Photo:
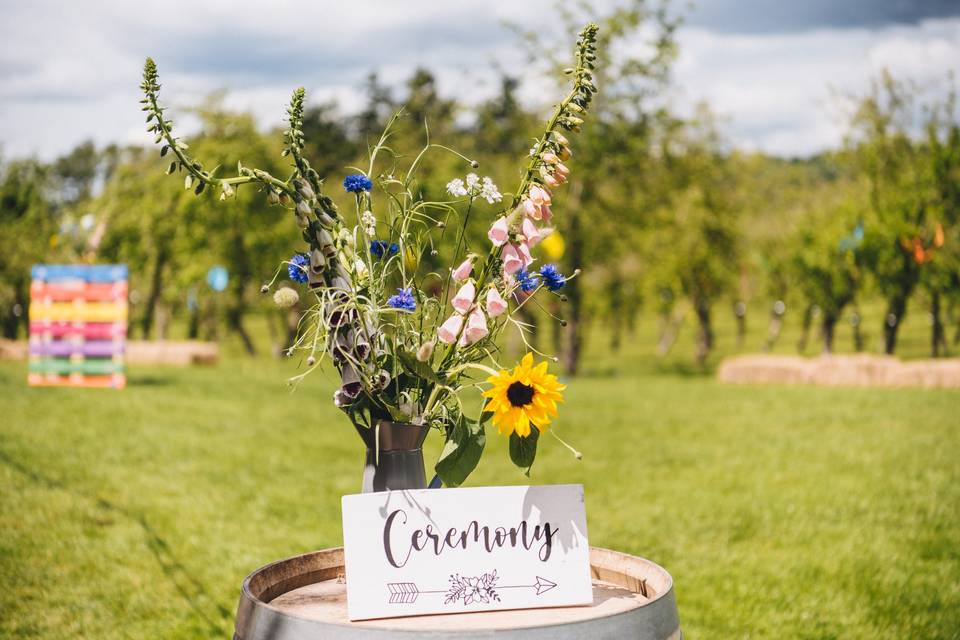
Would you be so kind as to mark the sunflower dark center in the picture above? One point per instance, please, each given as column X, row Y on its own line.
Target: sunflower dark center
column 520, row 394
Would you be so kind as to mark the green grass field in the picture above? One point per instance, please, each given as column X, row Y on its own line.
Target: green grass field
column 781, row 512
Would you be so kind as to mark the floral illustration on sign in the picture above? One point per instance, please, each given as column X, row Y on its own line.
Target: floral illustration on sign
column 470, row 590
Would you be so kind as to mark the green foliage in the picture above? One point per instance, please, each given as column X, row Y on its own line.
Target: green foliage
column 28, row 223
column 524, row 450
column 143, row 523
column 461, row 452
column 911, row 189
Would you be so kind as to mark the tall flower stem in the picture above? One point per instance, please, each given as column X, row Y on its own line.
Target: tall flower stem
column 582, row 85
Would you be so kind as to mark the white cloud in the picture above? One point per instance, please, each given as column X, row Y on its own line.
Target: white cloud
column 70, row 70
column 779, row 92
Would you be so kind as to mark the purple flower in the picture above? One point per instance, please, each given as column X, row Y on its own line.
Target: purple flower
column 380, row 247
column 528, row 281
column 297, row 269
column 403, row 300
column 357, row 182
column 552, row 278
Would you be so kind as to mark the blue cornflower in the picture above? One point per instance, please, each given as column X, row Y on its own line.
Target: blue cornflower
column 552, row 278
column 403, row 300
column 380, row 247
column 298, row 266
column 528, row 281
column 357, row 182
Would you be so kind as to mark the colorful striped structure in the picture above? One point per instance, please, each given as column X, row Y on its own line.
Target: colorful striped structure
column 78, row 325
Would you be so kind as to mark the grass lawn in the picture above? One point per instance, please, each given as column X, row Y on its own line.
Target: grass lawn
column 781, row 512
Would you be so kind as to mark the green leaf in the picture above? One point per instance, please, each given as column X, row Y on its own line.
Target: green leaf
column 524, row 450
column 462, row 452
column 417, row 368
column 396, row 414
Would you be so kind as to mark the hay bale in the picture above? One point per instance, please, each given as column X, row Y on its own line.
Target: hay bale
column 857, row 370
column 13, row 350
column 172, row 352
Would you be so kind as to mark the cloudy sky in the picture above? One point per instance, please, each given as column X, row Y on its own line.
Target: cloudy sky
column 69, row 70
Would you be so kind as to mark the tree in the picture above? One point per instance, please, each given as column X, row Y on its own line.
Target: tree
column 939, row 244
column 826, row 265
column 883, row 149
column 172, row 239
column 608, row 195
column 694, row 243
column 29, row 226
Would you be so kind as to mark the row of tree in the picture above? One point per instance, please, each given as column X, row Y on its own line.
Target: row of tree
column 661, row 213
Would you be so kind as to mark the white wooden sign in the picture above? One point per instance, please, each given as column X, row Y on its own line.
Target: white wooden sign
column 455, row 550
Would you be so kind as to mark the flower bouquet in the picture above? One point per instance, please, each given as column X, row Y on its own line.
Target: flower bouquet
column 405, row 339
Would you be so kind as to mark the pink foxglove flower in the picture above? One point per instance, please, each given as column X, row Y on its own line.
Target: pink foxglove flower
column 495, row 303
column 546, row 214
column 531, row 209
column 531, row 233
column 550, row 158
column 562, row 169
column 550, row 180
column 523, row 250
column 539, row 195
column 462, row 272
column 512, row 262
column 450, row 329
column 499, row 232
column 476, row 328
column 464, row 298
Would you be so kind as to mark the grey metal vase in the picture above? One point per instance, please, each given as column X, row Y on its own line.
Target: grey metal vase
column 396, row 462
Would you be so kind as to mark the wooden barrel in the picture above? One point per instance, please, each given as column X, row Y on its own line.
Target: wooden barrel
column 305, row 598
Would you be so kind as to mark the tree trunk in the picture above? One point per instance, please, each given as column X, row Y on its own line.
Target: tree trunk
column 805, row 329
column 193, row 323
column 829, row 328
column 633, row 311
column 705, row 332
column 11, row 319
column 156, row 288
column 775, row 326
column 740, row 313
column 953, row 318
column 238, row 303
column 575, row 252
column 857, row 333
column 938, row 338
column 616, row 302
column 896, row 309
column 670, row 324
column 235, row 322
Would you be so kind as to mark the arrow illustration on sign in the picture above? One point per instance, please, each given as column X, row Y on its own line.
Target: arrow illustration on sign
column 469, row 589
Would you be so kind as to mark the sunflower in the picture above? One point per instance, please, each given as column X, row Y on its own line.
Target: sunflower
column 527, row 395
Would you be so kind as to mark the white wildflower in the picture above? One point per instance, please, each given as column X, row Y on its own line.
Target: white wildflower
column 456, row 188
column 360, row 269
column 489, row 191
column 475, row 187
column 285, row 297
column 369, row 222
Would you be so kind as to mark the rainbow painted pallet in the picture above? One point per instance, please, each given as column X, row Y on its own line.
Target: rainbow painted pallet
column 78, row 325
